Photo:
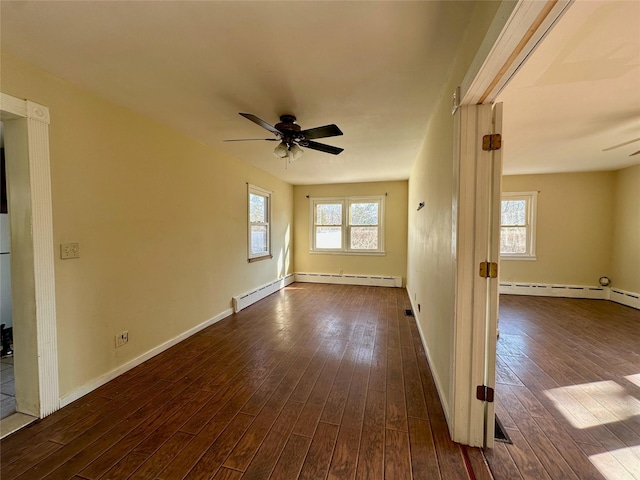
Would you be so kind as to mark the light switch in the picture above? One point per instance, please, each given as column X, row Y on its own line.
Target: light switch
column 69, row 250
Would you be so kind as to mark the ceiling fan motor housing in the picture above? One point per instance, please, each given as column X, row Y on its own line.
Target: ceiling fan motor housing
column 289, row 128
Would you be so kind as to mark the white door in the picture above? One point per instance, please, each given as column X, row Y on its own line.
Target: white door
column 477, row 233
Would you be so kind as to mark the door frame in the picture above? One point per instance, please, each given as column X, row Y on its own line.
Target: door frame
column 513, row 35
column 26, row 130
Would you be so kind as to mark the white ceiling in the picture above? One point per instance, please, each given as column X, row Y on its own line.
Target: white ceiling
column 579, row 93
column 376, row 69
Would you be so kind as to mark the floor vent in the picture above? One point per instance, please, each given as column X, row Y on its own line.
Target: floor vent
column 500, row 433
column 408, row 313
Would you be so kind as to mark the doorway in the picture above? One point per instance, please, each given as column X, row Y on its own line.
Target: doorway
column 25, row 126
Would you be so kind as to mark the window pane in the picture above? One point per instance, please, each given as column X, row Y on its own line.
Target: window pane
column 328, row 237
column 257, row 208
column 364, row 213
column 364, row 238
column 329, row 214
column 513, row 240
column 514, row 212
column 258, row 239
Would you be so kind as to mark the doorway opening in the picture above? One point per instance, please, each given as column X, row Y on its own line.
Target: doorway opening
column 35, row 362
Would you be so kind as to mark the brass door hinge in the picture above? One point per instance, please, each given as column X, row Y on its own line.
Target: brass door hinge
column 492, row 142
column 484, row 393
column 489, row 270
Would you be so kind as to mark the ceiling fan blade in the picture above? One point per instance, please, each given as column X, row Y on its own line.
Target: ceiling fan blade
column 322, row 132
column 250, row 139
column 322, row 147
column 262, row 123
column 622, row 145
column 635, row 153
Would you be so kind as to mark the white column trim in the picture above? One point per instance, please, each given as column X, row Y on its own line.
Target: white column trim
column 44, row 324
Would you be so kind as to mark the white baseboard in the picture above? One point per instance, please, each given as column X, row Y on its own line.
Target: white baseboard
column 345, row 279
column 249, row 298
column 617, row 295
column 629, row 299
column 89, row 387
column 434, row 373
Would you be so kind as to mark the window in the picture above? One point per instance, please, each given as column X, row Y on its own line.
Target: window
column 347, row 225
column 518, row 225
column 259, row 224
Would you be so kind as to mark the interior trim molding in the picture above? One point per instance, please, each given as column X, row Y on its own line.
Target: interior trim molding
column 514, row 35
column 38, row 365
column 98, row 382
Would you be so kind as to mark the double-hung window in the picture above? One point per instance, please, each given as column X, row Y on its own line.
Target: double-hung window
column 259, row 224
column 518, row 226
column 347, row 225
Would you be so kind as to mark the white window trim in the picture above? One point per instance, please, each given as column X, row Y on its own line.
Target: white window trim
column 253, row 257
column 532, row 206
column 346, row 226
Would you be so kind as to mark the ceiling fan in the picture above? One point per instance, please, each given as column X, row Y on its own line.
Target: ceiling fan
column 624, row 144
column 292, row 137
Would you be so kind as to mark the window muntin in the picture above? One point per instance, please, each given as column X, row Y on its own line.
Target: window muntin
column 347, row 225
column 259, row 228
column 517, row 225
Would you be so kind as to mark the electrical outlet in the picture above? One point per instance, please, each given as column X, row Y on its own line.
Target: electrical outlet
column 69, row 250
column 122, row 338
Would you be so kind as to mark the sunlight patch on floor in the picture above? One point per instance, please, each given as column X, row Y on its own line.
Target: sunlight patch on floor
column 635, row 379
column 589, row 405
column 610, row 464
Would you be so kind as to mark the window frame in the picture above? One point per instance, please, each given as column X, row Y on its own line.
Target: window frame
column 531, row 205
column 254, row 190
column 346, row 225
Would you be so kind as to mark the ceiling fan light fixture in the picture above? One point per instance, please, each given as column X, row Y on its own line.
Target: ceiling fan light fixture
column 295, row 152
column 281, row 150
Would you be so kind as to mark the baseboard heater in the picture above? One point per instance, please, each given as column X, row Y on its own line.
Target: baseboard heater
column 243, row 301
column 629, row 299
column 367, row 280
column 623, row 297
column 552, row 290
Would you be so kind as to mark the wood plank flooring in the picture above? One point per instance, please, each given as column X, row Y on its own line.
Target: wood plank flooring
column 313, row 382
column 568, row 389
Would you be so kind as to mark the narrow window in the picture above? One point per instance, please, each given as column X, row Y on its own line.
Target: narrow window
column 259, row 223
column 517, row 226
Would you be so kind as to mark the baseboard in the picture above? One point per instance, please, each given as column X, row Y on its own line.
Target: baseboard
column 243, row 301
column 617, row 295
column 553, row 290
column 89, row 387
column 629, row 299
column 346, row 279
column 434, row 373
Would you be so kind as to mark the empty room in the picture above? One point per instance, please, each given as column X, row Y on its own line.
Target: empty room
column 318, row 239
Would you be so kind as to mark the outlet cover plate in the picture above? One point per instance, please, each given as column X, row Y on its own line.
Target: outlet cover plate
column 69, row 250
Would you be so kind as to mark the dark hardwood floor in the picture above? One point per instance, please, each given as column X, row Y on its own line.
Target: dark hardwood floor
column 568, row 389
column 313, row 382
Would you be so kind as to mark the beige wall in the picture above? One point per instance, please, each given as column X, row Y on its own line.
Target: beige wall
column 625, row 271
column 574, row 228
column 431, row 258
column 394, row 262
column 161, row 223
